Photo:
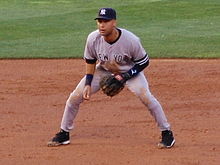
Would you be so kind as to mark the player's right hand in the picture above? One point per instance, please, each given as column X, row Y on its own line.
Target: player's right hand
column 87, row 92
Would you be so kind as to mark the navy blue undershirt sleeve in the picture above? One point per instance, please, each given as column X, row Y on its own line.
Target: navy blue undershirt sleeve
column 138, row 67
column 90, row 61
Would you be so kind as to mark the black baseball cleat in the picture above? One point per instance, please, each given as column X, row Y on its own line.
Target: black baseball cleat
column 167, row 139
column 61, row 138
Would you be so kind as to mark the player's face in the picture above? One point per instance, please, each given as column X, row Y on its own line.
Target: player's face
column 106, row 26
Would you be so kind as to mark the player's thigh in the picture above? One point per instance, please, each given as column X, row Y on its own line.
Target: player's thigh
column 139, row 85
column 78, row 91
column 98, row 75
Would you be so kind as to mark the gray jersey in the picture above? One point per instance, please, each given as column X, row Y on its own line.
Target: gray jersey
column 117, row 57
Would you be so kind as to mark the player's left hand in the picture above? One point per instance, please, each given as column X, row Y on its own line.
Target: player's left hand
column 87, row 92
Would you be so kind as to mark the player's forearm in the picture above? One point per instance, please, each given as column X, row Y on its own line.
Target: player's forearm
column 131, row 73
column 138, row 67
column 90, row 70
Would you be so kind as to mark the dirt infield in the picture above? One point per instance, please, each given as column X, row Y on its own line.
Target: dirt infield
column 117, row 131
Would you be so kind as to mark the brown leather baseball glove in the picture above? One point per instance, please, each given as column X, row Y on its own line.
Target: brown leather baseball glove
column 111, row 85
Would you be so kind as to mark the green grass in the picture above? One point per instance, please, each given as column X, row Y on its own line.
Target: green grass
column 58, row 28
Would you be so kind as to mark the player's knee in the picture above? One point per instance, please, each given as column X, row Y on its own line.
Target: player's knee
column 146, row 97
column 74, row 98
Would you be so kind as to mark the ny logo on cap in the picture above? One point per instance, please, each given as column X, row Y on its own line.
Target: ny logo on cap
column 102, row 12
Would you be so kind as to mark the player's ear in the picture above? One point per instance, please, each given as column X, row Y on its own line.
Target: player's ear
column 114, row 23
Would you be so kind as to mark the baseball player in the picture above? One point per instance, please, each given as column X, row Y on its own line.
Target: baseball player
column 113, row 50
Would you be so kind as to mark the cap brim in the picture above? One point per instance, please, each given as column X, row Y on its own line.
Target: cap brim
column 106, row 18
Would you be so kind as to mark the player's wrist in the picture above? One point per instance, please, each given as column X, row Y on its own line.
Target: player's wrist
column 126, row 76
column 89, row 78
column 122, row 77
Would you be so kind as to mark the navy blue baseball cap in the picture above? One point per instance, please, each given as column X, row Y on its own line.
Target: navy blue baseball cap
column 106, row 13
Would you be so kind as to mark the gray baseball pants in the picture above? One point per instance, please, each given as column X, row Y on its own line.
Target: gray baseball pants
column 138, row 85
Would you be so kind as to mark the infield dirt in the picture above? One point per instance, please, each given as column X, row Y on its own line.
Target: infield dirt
column 109, row 131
